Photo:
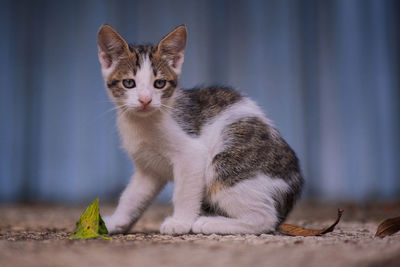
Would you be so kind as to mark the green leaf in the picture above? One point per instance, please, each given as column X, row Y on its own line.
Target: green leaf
column 102, row 226
column 90, row 224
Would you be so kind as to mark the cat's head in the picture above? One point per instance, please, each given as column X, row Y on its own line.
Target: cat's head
column 141, row 78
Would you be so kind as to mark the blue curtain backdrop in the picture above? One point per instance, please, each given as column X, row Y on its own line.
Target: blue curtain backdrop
column 327, row 73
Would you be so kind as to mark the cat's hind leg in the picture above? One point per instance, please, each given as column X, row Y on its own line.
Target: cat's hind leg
column 250, row 206
column 253, row 179
column 224, row 225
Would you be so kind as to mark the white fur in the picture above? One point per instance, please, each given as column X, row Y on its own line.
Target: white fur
column 250, row 205
column 135, row 198
column 105, row 69
column 144, row 78
column 178, row 64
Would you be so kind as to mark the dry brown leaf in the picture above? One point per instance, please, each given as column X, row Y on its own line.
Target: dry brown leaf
column 294, row 230
column 388, row 227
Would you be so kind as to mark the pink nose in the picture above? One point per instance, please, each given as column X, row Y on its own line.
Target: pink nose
column 145, row 101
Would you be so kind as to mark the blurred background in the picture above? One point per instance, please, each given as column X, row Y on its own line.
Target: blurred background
column 326, row 72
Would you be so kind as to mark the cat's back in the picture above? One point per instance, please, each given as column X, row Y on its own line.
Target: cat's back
column 194, row 108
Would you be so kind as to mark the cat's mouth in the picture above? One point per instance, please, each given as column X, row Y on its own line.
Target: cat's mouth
column 139, row 110
column 145, row 110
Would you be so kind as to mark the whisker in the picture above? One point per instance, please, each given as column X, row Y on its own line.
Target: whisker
column 124, row 110
column 108, row 111
column 168, row 111
column 105, row 101
column 172, row 108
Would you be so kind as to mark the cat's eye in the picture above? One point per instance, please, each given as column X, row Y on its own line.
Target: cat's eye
column 129, row 83
column 159, row 84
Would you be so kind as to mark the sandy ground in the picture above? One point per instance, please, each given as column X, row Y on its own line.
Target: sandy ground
column 37, row 235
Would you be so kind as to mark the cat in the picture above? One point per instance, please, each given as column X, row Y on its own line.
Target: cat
column 233, row 173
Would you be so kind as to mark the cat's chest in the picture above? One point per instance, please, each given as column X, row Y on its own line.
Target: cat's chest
column 140, row 143
column 149, row 144
column 150, row 158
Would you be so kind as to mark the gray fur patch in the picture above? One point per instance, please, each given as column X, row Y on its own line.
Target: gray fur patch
column 285, row 201
column 252, row 147
column 169, row 90
column 193, row 108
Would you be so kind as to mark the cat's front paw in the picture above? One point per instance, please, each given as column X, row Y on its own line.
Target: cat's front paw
column 116, row 225
column 173, row 226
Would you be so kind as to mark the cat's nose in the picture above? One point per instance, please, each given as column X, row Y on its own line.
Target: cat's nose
column 145, row 101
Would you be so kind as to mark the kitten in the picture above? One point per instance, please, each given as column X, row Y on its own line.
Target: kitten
column 233, row 172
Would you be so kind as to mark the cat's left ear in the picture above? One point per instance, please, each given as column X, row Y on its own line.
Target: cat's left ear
column 172, row 48
column 112, row 47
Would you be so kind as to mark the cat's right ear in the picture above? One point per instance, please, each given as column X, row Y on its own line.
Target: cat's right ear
column 172, row 48
column 111, row 47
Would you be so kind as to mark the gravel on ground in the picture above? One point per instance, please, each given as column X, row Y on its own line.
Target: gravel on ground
column 37, row 235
